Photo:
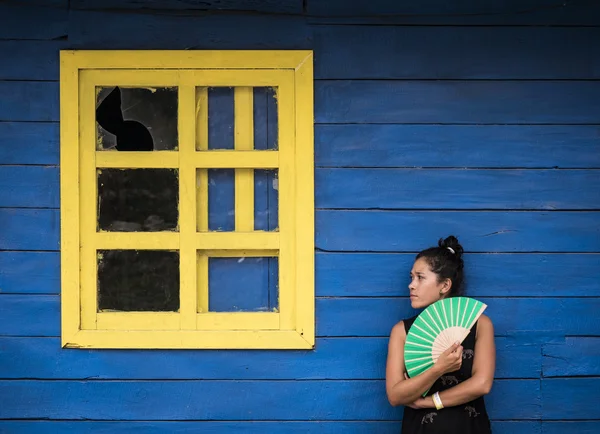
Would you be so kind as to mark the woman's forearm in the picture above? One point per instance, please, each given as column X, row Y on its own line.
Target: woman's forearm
column 464, row 392
column 409, row 390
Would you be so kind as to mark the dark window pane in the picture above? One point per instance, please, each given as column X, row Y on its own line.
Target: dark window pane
column 266, row 200
column 243, row 284
column 221, row 200
column 137, row 119
column 138, row 280
column 265, row 118
column 137, row 200
column 220, row 117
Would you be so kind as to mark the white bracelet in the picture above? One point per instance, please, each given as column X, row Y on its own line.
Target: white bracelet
column 437, row 401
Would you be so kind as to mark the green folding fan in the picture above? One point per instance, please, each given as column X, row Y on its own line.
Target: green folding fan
column 436, row 329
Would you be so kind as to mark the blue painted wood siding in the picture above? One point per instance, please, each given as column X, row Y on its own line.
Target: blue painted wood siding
column 430, row 119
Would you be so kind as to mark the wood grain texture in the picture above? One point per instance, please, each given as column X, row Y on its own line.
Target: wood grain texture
column 29, row 187
column 541, row 12
column 248, row 427
column 178, row 31
column 457, row 189
column 557, row 391
column 29, row 272
column 522, row 146
column 255, row 400
column 576, row 357
column 30, row 60
column 523, row 318
column 479, row 231
column 43, row 20
column 29, row 101
column 435, row 189
column 574, row 427
column 457, row 102
column 29, row 143
column 29, row 229
column 492, row 275
column 332, row 359
column 270, row 6
column 446, row 52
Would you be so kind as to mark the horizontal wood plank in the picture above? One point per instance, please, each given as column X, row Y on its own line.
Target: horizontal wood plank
column 29, row 143
column 29, row 272
column 29, row 229
column 526, row 146
column 30, row 60
column 255, row 400
column 577, row 356
column 186, row 32
column 29, row 101
column 384, row 101
column 271, row 6
column 492, row 275
column 574, row 427
column 557, row 391
column 29, row 187
column 447, row 52
column 457, row 102
column 247, row 427
column 478, row 231
column 332, row 359
column 523, row 318
column 38, row 187
column 47, row 19
column 457, row 189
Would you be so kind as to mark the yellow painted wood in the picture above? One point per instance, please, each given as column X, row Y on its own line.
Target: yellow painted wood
column 187, row 209
column 139, row 321
column 137, row 240
column 305, row 219
column 202, row 284
column 222, row 159
column 290, row 72
column 244, row 141
column 171, row 78
column 287, row 206
column 237, row 240
column 208, row 339
column 239, row 253
column 125, row 160
column 201, row 195
column 238, row 321
column 88, row 203
column 186, row 59
column 69, row 192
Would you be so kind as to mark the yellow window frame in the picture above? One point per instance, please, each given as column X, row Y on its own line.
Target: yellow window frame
column 291, row 73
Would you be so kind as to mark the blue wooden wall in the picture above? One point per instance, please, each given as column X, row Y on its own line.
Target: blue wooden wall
column 480, row 119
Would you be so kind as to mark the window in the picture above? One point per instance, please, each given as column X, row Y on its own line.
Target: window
column 187, row 203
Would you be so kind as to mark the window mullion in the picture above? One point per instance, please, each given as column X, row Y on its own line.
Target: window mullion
column 187, row 204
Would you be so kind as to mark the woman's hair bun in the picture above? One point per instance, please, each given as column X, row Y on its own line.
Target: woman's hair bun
column 451, row 242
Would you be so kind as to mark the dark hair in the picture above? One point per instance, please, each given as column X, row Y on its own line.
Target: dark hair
column 446, row 263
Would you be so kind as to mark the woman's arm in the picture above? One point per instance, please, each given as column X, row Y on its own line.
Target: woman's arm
column 400, row 390
column 484, row 365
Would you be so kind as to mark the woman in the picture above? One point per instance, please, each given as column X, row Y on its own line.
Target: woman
column 462, row 375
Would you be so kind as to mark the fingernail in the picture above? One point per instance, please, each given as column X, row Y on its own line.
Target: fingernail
column 457, row 342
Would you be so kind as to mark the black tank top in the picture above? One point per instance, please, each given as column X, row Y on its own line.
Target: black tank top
column 469, row 418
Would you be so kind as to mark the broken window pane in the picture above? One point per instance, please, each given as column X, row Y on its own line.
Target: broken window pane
column 136, row 119
column 138, row 200
column 138, row 280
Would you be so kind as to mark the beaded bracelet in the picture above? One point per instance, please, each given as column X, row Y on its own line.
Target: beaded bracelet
column 437, row 401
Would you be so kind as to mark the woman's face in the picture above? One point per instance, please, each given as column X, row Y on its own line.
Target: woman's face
column 424, row 286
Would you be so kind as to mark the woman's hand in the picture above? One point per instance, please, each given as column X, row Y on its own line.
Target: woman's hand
column 450, row 360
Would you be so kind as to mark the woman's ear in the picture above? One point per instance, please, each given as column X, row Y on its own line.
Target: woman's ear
column 446, row 286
